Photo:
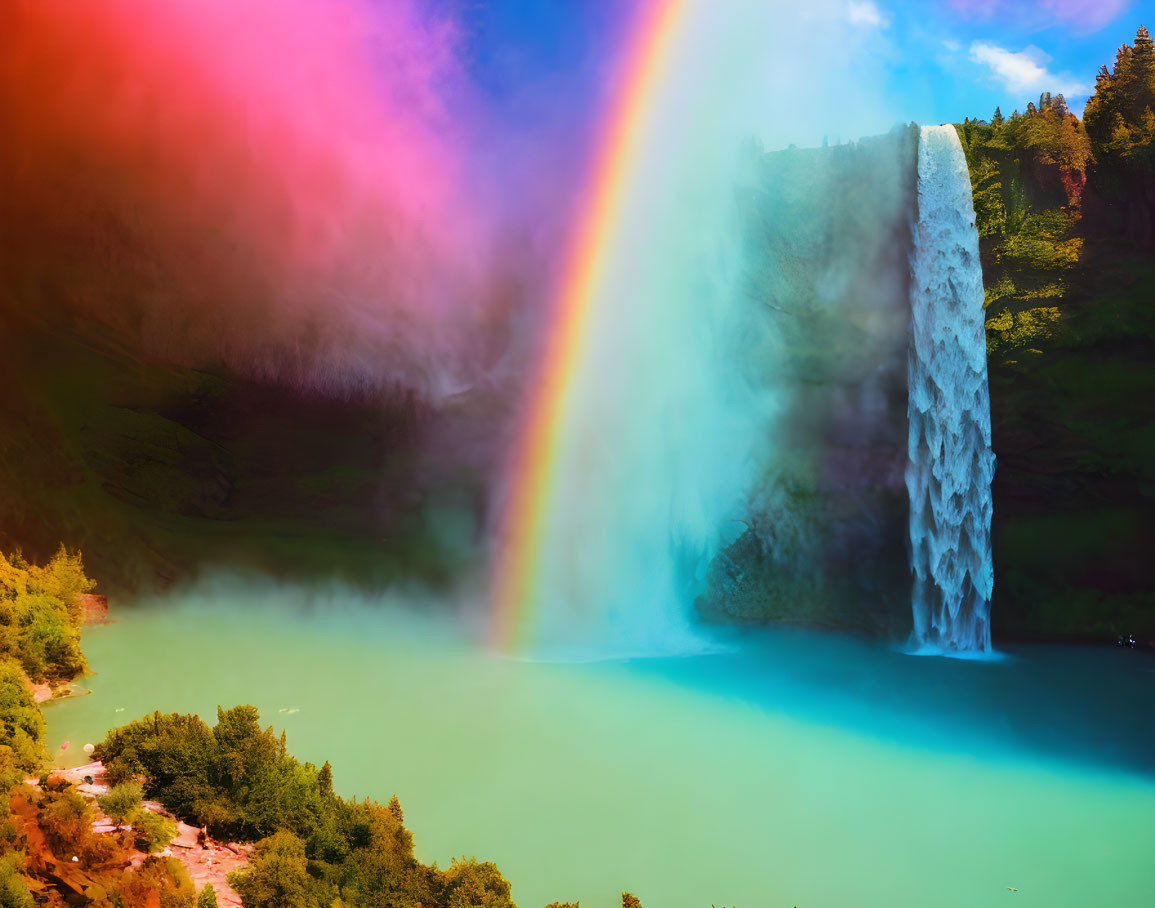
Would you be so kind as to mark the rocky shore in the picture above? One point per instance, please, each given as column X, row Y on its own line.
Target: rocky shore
column 206, row 860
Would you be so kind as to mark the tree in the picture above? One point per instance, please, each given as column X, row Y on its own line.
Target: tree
column 474, row 884
column 154, row 831
column 395, row 809
column 997, row 117
column 630, row 901
column 207, row 897
column 1116, row 115
column 122, row 802
column 21, row 724
column 277, row 875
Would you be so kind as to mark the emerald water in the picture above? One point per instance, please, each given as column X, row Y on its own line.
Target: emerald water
column 784, row 769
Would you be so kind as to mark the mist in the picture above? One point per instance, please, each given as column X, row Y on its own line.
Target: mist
column 326, row 195
column 281, row 187
column 679, row 420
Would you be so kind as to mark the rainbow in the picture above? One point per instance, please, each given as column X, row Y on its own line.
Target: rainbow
column 515, row 579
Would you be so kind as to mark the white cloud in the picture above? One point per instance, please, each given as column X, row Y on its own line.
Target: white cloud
column 1025, row 72
column 866, row 12
column 952, row 46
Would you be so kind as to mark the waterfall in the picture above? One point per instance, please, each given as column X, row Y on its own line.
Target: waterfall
column 950, row 466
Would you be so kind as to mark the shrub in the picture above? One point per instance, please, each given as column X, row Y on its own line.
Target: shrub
column 122, row 803
column 13, row 891
column 154, row 830
column 277, row 875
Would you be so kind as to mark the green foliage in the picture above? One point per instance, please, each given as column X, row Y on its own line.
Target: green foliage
column 154, row 831
column 630, row 901
column 1050, row 133
column 13, row 890
column 470, row 884
column 277, row 875
column 1030, row 239
column 122, row 802
column 1027, row 328
column 207, row 897
column 21, row 725
column 314, row 846
column 41, row 615
column 235, row 778
column 1120, row 115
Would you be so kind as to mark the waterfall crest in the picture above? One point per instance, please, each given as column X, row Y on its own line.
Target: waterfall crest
column 950, row 466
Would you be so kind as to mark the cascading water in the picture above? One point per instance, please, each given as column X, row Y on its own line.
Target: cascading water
column 951, row 464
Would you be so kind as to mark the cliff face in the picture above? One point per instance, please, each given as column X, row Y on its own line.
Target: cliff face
column 1070, row 317
column 828, row 239
column 1069, row 273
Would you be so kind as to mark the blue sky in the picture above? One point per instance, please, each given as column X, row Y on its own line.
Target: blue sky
column 948, row 60
column 937, row 60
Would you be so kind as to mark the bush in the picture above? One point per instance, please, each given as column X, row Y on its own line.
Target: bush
column 122, row 803
column 13, row 890
column 207, row 897
column 154, row 830
column 277, row 875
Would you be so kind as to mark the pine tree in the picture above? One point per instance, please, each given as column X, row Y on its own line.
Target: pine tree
column 207, row 897
column 1143, row 71
column 1143, row 43
column 1117, row 113
column 997, row 117
column 395, row 809
column 325, row 779
column 630, row 901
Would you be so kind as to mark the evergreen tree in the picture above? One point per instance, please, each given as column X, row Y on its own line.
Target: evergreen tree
column 630, row 901
column 1117, row 115
column 997, row 117
column 207, row 897
column 395, row 809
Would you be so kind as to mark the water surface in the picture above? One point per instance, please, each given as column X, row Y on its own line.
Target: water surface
column 787, row 769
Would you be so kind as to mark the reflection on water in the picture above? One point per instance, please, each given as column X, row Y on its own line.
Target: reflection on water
column 789, row 768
